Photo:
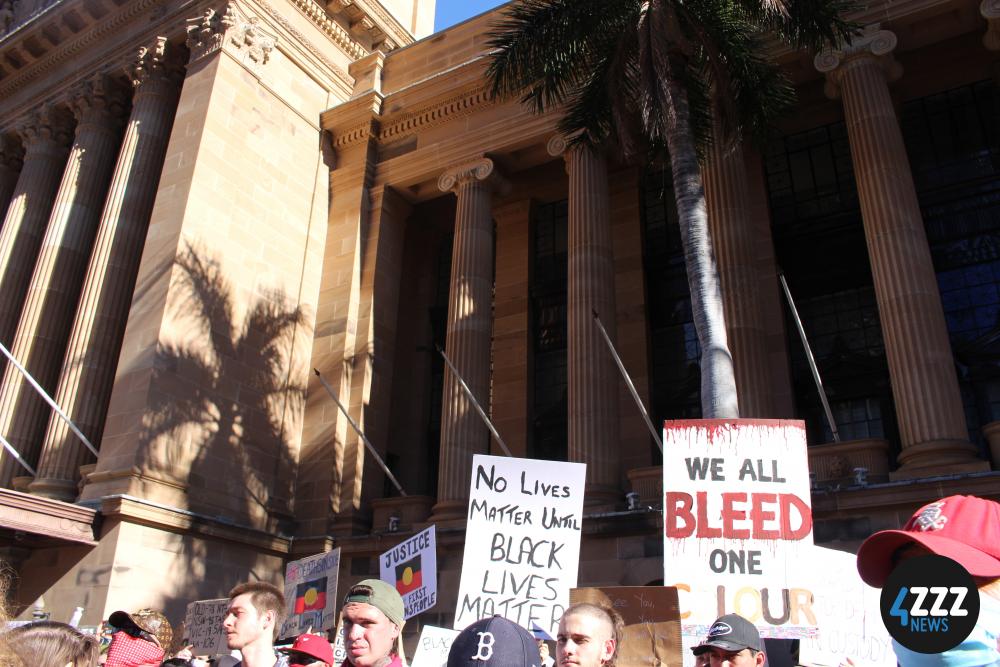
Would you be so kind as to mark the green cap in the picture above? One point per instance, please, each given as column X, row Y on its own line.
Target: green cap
column 380, row 595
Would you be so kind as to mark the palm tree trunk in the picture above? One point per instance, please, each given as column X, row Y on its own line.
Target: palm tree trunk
column 718, row 381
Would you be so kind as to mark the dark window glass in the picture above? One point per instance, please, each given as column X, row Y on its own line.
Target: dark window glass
column 548, row 322
column 674, row 351
column 953, row 143
column 820, row 245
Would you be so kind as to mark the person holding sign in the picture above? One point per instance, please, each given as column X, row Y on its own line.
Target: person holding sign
column 256, row 610
column 373, row 621
column 734, row 640
column 494, row 642
column 589, row 636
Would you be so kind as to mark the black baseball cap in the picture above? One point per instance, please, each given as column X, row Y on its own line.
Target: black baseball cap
column 731, row 632
column 494, row 642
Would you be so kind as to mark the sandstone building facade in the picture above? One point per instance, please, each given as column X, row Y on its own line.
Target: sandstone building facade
column 207, row 200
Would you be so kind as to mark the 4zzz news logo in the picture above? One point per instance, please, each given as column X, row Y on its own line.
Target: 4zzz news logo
column 929, row 604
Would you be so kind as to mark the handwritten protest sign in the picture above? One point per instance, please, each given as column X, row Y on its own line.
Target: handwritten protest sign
column 411, row 566
column 522, row 546
column 203, row 626
column 311, row 593
column 847, row 613
column 432, row 649
column 339, row 644
column 736, row 519
column 652, row 636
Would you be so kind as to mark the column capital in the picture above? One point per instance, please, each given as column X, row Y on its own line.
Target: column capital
column 873, row 43
column 479, row 169
column 97, row 100
column 227, row 27
column 990, row 9
column 47, row 125
column 155, row 61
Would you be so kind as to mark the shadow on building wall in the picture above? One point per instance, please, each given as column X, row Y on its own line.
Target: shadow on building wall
column 225, row 413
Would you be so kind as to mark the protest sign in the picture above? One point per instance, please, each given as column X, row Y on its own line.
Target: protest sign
column 847, row 614
column 411, row 566
column 522, row 544
column 311, row 593
column 339, row 644
column 203, row 626
column 432, row 649
column 736, row 519
column 652, row 636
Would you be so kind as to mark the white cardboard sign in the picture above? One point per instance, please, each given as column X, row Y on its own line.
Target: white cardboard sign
column 433, row 647
column 847, row 612
column 411, row 566
column 737, row 520
column 522, row 546
column 311, row 593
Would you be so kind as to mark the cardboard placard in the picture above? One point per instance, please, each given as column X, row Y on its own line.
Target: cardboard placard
column 411, row 566
column 848, row 614
column 737, row 520
column 433, row 647
column 522, row 543
column 652, row 635
column 311, row 593
column 203, row 626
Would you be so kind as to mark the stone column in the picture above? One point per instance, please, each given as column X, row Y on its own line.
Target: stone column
column 728, row 201
column 11, row 159
column 470, row 324
column 88, row 370
column 47, row 315
column 512, row 325
column 592, row 378
column 925, row 386
column 46, row 136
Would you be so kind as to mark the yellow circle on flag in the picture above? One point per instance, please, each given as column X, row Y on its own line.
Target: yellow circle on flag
column 310, row 596
column 408, row 576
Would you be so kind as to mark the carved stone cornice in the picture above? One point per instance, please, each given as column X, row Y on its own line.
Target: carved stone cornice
column 874, row 44
column 458, row 106
column 305, row 41
column 385, row 32
column 97, row 100
column 72, row 48
column 315, row 13
column 990, row 10
column 479, row 169
column 353, row 122
column 229, row 28
column 47, row 126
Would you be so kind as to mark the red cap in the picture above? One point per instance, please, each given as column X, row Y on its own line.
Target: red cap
column 314, row 646
column 965, row 529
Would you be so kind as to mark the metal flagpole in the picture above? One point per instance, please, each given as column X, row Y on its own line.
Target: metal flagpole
column 628, row 381
column 475, row 403
column 810, row 358
column 48, row 399
column 13, row 452
column 368, row 444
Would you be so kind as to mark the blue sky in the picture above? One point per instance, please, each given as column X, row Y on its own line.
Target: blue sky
column 450, row 12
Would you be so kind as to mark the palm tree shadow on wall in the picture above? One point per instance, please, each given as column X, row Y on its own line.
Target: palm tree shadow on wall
column 223, row 414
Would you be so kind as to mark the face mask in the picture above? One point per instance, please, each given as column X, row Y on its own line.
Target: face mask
column 978, row 650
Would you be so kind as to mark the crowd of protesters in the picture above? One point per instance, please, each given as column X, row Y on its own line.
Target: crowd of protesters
column 963, row 528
